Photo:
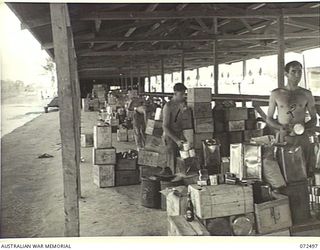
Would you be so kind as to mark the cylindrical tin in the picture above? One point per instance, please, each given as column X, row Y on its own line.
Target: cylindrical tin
column 242, row 226
column 221, row 179
column 186, row 146
column 192, row 153
column 298, row 129
column 213, row 180
column 184, row 154
column 317, row 179
column 150, row 192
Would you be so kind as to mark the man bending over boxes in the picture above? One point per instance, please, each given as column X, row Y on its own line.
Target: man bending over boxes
column 172, row 124
column 292, row 102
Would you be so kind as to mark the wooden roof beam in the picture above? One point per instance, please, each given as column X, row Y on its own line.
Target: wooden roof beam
column 267, row 13
column 299, row 24
column 228, row 37
column 34, row 23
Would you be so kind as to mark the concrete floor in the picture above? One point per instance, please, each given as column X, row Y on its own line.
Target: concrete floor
column 32, row 189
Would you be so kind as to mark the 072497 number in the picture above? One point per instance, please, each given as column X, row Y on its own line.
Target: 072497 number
column 309, row 246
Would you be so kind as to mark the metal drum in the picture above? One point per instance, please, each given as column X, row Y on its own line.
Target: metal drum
column 150, row 192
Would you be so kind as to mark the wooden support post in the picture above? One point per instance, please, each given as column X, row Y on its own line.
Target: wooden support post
column 215, row 58
column 139, row 81
column 281, row 51
column 131, row 79
column 149, row 78
column 198, row 77
column 244, row 69
column 126, row 82
column 162, row 74
column 69, row 117
column 182, row 68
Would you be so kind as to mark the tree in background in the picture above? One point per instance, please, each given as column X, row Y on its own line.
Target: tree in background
column 50, row 69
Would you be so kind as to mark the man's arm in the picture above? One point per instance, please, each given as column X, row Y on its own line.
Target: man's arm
column 311, row 107
column 272, row 108
column 166, row 124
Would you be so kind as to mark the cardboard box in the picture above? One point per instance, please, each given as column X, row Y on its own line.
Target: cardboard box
column 86, row 140
column 127, row 177
column 199, row 137
column 221, row 200
column 235, row 126
column 203, row 125
column 154, row 128
column 199, row 95
column 148, row 158
column 179, row 226
column 104, row 175
column 273, row 215
column 147, row 171
column 200, row 109
column 249, row 134
column 126, row 164
column 102, row 137
column 104, row 156
column 235, row 114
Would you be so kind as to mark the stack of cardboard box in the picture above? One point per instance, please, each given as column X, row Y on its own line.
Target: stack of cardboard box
column 104, row 157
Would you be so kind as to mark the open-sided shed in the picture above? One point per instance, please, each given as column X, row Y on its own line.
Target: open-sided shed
column 124, row 42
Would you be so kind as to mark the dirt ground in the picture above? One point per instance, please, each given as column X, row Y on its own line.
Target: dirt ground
column 32, row 188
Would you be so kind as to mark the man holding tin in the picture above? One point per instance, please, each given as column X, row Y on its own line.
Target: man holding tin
column 172, row 124
column 292, row 102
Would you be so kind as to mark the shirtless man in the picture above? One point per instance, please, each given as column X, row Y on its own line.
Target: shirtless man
column 292, row 102
column 172, row 124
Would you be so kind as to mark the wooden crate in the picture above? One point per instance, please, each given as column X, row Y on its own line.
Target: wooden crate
column 225, row 165
column 199, row 95
column 199, row 137
column 251, row 124
column 203, row 125
column 126, row 164
column 283, row 232
column 221, row 200
column 86, row 140
column 102, row 137
column 85, row 105
column 154, row 128
column 104, row 175
column 130, row 135
column 104, row 156
column 186, row 117
column 179, row 226
column 122, row 135
column 192, row 164
column 127, row 177
column 235, row 114
column 154, row 143
column 148, row 158
column 201, row 109
column 273, row 215
column 235, row 137
column 235, row 126
column 177, row 201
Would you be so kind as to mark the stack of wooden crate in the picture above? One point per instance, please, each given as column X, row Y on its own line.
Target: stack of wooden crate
column 127, row 172
column 104, row 157
column 199, row 100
